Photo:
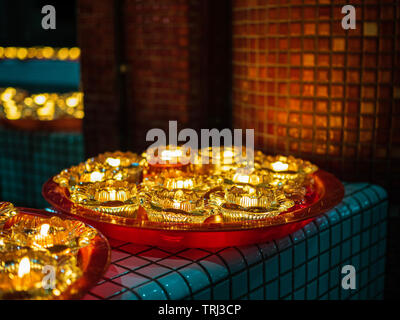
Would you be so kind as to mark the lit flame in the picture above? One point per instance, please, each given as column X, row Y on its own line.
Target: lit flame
column 96, row 176
column 44, row 229
column 24, row 267
column 279, row 166
column 241, row 178
column 169, row 154
column 113, row 162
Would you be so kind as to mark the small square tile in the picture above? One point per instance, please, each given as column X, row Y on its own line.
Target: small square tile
column 114, row 243
column 336, row 234
column 334, row 294
column 239, row 285
column 355, row 244
column 324, row 262
column 268, row 249
column 196, row 276
column 286, row 260
column 324, row 240
column 215, row 267
column 203, row 295
column 283, row 243
column 257, row 294
column 233, row 258
column 153, row 255
column 312, row 290
column 251, row 253
column 271, row 268
column 174, row 262
column 346, row 249
column 365, row 239
column 321, row 222
column 150, row 291
column 175, row 286
column 323, row 284
column 153, row 271
column 256, row 276
column 88, row 296
column 272, row 290
column 134, row 248
column 346, row 229
column 193, row 254
column 299, row 294
column 127, row 295
column 131, row 280
column 312, row 270
column 298, row 236
column 312, row 247
column 132, row 263
column 115, row 271
column 299, row 276
column 285, row 284
column 107, row 289
column 221, row 291
column 118, row 255
column 299, row 253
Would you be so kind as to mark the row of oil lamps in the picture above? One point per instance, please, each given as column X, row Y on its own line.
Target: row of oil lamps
column 214, row 184
column 17, row 104
column 46, row 53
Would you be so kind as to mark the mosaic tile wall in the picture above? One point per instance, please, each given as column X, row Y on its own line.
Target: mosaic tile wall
column 312, row 89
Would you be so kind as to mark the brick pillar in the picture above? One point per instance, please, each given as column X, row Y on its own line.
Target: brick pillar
column 312, row 89
column 160, row 65
column 99, row 75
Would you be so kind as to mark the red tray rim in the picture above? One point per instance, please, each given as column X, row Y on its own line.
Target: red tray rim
column 329, row 189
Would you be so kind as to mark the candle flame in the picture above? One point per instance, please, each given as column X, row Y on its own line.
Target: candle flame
column 279, row 166
column 242, row 178
column 113, row 162
column 96, row 176
column 169, row 154
column 44, row 229
column 24, row 267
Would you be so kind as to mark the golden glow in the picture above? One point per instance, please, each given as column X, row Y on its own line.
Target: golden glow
column 40, row 99
column 22, row 53
column 72, row 102
column 113, row 162
column 96, row 176
column 24, row 267
column 167, row 155
column 279, row 166
column 74, row 53
column 63, row 53
column 44, row 229
column 241, row 178
column 48, row 53
column 17, row 104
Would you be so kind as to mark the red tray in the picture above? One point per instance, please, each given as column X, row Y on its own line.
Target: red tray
column 329, row 192
column 94, row 259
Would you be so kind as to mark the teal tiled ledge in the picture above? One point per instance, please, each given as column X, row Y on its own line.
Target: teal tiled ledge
column 305, row 265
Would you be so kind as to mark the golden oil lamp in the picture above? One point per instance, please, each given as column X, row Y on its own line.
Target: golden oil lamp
column 7, row 211
column 167, row 158
column 243, row 201
column 55, row 235
column 217, row 160
column 31, row 245
column 111, row 197
column 22, row 273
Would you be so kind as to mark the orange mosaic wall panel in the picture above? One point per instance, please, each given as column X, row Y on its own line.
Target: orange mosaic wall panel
column 312, row 89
